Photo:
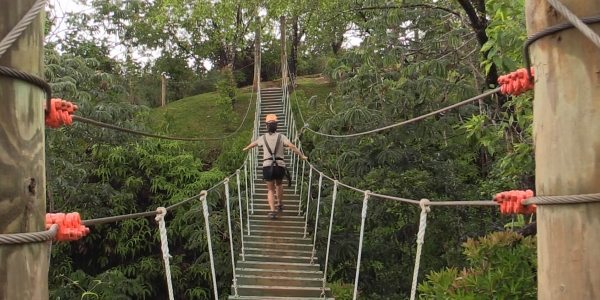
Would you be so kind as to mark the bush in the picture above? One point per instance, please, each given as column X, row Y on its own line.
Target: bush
column 341, row 291
column 226, row 100
column 502, row 265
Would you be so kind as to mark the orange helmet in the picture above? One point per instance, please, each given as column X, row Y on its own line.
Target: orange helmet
column 270, row 118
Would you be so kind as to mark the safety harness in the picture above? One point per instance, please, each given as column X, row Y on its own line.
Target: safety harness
column 274, row 158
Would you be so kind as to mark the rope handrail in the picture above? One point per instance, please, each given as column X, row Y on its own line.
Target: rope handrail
column 136, row 132
column 419, row 118
column 111, row 219
column 32, row 237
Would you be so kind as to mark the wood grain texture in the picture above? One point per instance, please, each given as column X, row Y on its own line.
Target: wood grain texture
column 282, row 39
column 567, row 152
column 257, row 57
column 23, row 268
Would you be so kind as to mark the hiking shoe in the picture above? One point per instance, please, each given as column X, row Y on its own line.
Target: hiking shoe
column 272, row 215
column 279, row 208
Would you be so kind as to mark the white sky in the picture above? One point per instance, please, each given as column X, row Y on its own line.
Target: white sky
column 66, row 6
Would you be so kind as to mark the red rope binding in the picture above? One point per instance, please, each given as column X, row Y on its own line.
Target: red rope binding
column 59, row 113
column 69, row 226
column 516, row 83
column 511, row 202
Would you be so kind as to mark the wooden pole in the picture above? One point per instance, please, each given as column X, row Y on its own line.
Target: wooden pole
column 23, row 267
column 163, row 97
column 257, row 49
column 283, row 51
column 567, row 152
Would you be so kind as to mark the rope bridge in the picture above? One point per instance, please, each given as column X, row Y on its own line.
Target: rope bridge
column 69, row 227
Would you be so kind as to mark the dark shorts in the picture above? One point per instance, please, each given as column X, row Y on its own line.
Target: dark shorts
column 277, row 174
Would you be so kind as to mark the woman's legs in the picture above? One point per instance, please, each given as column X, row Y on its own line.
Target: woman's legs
column 271, row 194
column 279, row 187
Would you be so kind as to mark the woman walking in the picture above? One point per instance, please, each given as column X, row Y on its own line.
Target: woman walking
column 274, row 168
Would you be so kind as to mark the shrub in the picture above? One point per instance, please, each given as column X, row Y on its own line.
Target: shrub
column 502, row 265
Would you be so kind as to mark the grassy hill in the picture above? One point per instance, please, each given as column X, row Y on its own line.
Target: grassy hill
column 196, row 116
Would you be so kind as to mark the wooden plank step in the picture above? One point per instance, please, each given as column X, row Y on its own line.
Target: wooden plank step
column 270, row 251
column 279, row 281
column 278, row 246
column 286, row 273
column 277, row 239
column 278, row 258
column 286, row 291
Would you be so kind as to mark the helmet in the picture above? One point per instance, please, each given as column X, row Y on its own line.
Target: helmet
column 270, row 118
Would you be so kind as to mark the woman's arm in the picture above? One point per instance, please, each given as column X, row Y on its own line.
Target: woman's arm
column 252, row 145
column 296, row 150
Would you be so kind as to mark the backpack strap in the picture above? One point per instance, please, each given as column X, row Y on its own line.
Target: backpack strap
column 273, row 157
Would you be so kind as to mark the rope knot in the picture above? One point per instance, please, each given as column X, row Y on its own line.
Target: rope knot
column 237, row 171
column 511, row 202
column 336, row 182
column 203, row 193
column 516, row 83
column 161, row 214
column 60, row 112
column 226, row 180
column 424, row 203
column 69, row 226
column 367, row 193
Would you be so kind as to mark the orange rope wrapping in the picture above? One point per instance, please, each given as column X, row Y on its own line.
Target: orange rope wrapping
column 516, row 83
column 511, row 202
column 69, row 226
column 59, row 113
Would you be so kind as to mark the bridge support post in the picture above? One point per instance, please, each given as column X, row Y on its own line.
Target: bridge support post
column 23, row 267
column 567, row 151
column 283, row 52
column 257, row 50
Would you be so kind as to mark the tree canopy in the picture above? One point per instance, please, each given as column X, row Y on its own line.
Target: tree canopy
column 413, row 57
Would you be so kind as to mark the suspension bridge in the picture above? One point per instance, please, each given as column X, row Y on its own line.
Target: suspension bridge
column 277, row 258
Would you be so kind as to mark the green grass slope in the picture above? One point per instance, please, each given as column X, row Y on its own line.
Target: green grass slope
column 196, row 117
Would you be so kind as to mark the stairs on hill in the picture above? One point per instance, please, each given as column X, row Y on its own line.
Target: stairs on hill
column 277, row 262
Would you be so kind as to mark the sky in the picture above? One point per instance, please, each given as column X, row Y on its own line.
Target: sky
column 67, row 6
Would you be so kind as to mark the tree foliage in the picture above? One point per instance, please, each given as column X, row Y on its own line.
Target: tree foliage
column 415, row 57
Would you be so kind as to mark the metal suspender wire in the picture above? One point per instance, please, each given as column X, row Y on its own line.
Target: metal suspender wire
column 335, row 188
column 247, row 199
column 251, row 173
column 235, row 287
column 293, row 163
column 314, row 251
column 164, row 246
column 208, row 239
column 360, row 242
column 307, row 201
column 296, row 166
column 253, row 182
column 237, row 174
column 301, row 186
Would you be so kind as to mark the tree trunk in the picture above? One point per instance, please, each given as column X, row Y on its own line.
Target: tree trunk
column 566, row 121
column 293, row 70
column 23, row 267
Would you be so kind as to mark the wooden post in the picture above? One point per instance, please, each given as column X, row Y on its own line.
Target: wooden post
column 283, row 52
column 163, row 97
column 23, row 267
column 257, row 49
column 567, row 152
